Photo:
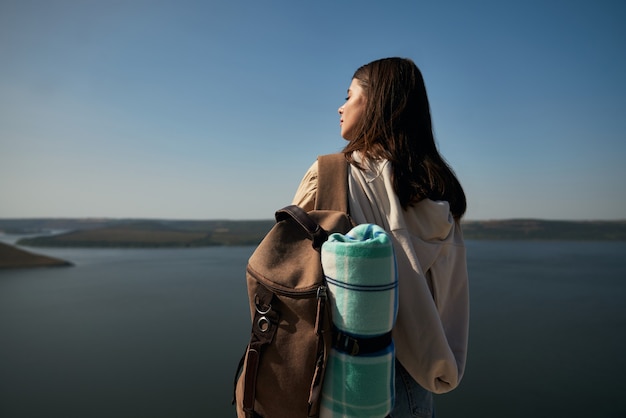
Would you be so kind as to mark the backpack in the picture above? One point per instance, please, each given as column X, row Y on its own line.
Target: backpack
column 282, row 369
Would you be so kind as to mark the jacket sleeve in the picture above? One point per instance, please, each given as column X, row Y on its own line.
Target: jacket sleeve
column 431, row 333
column 305, row 195
column 451, row 294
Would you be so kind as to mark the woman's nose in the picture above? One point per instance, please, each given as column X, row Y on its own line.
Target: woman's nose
column 340, row 110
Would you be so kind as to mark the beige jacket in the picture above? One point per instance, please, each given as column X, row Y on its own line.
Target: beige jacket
column 431, row 330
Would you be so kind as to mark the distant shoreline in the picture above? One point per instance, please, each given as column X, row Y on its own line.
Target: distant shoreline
column 12, row 257
column 119, row 233
column 546, row 230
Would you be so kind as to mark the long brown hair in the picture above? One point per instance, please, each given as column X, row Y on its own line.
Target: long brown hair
column 397, row 126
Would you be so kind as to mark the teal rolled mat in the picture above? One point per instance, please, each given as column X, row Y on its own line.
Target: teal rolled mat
column 360, row 270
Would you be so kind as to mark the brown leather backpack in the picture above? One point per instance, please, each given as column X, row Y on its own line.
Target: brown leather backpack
column 284, row 363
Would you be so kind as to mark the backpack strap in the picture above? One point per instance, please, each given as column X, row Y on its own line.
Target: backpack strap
column 332, row 183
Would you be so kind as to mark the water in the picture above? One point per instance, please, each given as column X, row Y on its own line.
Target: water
column 159, row 332
column 124, row 333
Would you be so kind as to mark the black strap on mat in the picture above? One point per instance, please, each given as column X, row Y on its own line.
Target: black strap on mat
column 354, row 346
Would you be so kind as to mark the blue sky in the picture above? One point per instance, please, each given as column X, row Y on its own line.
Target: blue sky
column 215, row 109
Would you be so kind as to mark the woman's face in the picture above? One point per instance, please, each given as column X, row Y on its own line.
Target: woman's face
column 352, row 110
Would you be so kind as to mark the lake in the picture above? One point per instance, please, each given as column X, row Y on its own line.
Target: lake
column 159, row 332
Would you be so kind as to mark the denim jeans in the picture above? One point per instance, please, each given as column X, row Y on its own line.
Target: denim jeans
column 412, row 400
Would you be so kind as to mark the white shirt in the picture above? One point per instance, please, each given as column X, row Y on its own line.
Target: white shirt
column 431, row 331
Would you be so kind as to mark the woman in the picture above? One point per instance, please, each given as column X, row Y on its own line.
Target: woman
column 399, row 181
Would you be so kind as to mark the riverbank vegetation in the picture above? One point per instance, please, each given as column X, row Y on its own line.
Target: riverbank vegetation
column 171, row 233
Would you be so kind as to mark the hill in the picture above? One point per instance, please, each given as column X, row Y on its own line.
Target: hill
column 155, row 234
column 12, row 257
column 536, row 229
column 172, row 233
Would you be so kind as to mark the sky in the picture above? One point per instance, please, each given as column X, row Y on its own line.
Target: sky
column 216, row 109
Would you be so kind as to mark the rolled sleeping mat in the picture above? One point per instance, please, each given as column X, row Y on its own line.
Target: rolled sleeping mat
column 361, row 276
